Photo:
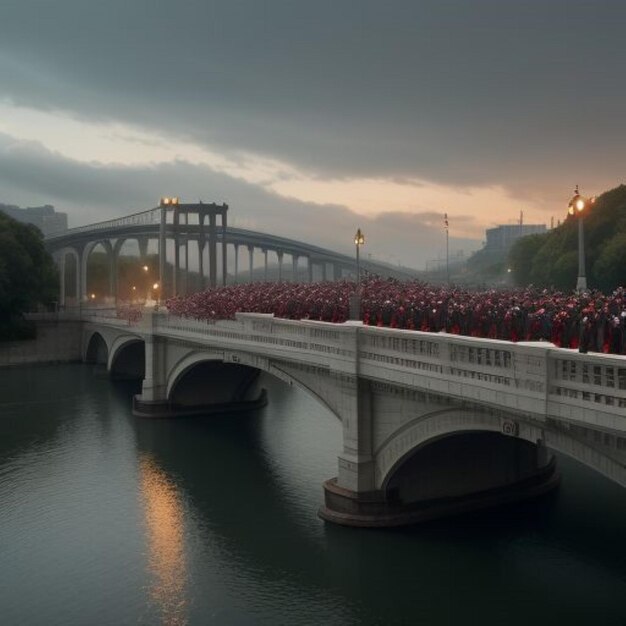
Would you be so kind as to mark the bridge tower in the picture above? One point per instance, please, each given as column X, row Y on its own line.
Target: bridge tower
column 181, row 234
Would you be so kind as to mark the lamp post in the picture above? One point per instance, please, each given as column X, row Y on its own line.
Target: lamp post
column 576, row 208
column 355, row 300
column 359, row 240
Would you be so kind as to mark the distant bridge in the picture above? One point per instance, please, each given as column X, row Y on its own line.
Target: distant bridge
column 184, row 224
column 432, row 423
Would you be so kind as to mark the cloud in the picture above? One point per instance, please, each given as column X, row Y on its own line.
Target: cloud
column 31, row 174
column 526, row 96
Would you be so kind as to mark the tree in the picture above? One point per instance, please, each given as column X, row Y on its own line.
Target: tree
column 28, row 276
column 610, row 268
column 551, row 260
column 521, row 256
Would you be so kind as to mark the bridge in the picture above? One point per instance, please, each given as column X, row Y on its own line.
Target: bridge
column 433, row 423
column 181, row 226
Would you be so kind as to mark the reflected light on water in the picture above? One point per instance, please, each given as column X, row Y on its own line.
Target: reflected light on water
column 164, row 524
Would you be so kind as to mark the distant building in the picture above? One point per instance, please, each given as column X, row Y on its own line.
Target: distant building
column 501, row 238
column 44, row 217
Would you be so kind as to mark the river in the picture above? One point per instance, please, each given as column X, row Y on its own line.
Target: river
column 108, row 519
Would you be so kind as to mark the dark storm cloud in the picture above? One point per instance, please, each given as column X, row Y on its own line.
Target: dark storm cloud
column 527, row 94
column 31, row 174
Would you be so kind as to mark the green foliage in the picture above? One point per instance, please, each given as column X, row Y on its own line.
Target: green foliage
column 610, row 268
column 521, row 255
column 28, row 276
column 551, row 260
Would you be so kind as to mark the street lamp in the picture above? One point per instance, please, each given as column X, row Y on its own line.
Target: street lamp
column 576, row 208
column 355, row 299
column 359, row 240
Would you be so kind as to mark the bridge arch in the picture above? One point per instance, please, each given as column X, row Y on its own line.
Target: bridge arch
column 67, row 270
column 427, row 430
column 127, row 357
column 260, row 364
column 108, row 249
column 96, row 350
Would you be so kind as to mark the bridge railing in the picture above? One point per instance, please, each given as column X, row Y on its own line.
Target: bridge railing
column 488, row 371
column 151, row 216
column 579, row 382
column 533, row 378
column 316, row 343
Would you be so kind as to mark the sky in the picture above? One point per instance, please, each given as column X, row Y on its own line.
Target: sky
column 311, row 119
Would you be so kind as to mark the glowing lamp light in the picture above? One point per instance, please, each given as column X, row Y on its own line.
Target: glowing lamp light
column 155, row 286
column 145, row 268
column 93, row 296
column 359, row 238
column 579, row 203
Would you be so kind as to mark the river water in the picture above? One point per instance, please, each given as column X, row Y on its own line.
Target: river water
column 107, row 519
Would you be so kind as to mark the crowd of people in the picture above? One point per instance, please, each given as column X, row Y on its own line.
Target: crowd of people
column 592, row 321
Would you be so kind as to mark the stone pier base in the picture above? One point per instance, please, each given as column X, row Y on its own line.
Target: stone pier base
column 167, row 409
column 373, row 509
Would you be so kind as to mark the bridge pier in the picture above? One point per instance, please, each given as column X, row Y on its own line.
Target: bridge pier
column 449, row 477
column 294, row 267
column 115, row 255
column 84, row 259
column 212, row 251
column 250, row 262
column 61, row 266
column 279, row 254
column 211, row 386
column 201, row 245
column 142, row 243
column 224, row 247
column 186, row 274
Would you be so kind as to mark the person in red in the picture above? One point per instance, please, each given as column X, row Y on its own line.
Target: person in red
column 588, row 322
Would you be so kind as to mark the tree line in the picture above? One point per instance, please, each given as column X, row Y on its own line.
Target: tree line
column 28, row 276
column 551, row 259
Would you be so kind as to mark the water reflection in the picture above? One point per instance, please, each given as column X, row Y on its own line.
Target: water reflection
column 165, row 532
column 106, row 519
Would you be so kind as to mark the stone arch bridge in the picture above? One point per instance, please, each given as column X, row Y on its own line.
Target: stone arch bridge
column 432, row 423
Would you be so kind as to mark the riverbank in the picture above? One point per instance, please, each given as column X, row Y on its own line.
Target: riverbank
column 55, row 343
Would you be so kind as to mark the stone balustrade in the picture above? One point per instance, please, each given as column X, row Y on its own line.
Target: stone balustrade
column 533, row 378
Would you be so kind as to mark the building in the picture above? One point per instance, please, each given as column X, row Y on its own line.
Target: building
column 501, row 238
column 44, row 217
